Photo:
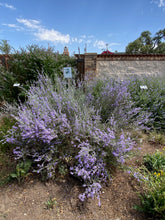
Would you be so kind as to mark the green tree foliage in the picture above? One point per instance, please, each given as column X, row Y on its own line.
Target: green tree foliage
column 8, row 91
column 24, row 66
column 146, row 44
column 27, row 63
column 5, row 48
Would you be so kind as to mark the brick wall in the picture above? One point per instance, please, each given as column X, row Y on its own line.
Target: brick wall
column 122, row 65
column 90, row 65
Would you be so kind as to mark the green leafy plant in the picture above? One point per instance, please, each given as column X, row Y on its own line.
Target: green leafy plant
column 22, row 171
column 153, row 196
column 10, row 89
column 63, row 170
column 50, row 203
column 6, row 123
column 97, row 88
column 155, row 162
column 3, row 215
column 7, row 166
column 148, row 93
column 151, row 176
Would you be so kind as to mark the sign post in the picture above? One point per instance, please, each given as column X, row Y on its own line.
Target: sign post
column 67, row 73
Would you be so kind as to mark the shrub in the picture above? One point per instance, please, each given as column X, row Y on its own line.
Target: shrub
column 152, row 179
column 61, row 133
column 155, row 162
column 153, row 197
column 113, row 101
column 9, row 89
column 150, row 98
column 27, row 63
column 24, row 66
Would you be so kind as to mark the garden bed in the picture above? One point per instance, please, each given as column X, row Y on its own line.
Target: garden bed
column 33, row 199
column 84, row 145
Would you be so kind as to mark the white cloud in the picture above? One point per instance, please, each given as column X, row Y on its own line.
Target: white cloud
column 160, row 3
column 11, row 25
column 7, row 6
column 44, row 34
column 10, row 6
column 74, row 39
column 34, row 24
column 89, row 41
column 18, row 28
column 90, row 36
column 113, row 44
column 100, row 44
column 80, row 41
column 83, row 39
column 52, row 35
column 83, row 36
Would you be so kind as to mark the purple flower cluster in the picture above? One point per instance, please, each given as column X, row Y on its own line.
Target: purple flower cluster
column 121, row 147
column 92, row 190
column 89, row 164
column 90, row 169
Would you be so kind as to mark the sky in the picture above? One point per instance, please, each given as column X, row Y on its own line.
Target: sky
column 79, row 24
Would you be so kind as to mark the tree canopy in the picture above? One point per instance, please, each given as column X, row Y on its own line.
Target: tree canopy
column 146, row 44
column 5, row 48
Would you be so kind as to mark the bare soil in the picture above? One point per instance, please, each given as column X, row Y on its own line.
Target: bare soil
column 117, row 199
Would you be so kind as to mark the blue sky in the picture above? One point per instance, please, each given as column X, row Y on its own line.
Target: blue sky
column 74, row 23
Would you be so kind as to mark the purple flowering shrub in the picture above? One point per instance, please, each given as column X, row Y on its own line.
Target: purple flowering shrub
column 45, row 124
column 61, row 133
column 115, row 105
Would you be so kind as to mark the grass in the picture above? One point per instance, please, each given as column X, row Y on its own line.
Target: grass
column 157, row 137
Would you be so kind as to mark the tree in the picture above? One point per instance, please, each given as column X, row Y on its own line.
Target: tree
column 24, row 66
column 134, row 47
column 26, row 63
column 5, row 48
column 146, row 44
